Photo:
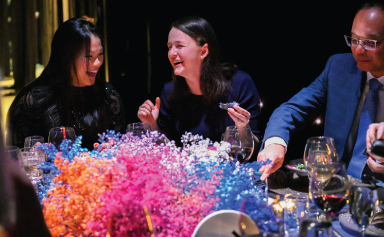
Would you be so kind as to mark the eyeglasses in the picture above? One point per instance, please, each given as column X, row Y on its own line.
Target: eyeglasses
column 368, row 44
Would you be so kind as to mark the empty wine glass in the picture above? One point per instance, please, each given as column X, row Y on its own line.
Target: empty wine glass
column 241, row 140
column 58, row 134
column 32, row 140
column 138, row 129
column 329, row 188
column 29, row 160
column 363, row 206
column 13, row 152
column 319, row 150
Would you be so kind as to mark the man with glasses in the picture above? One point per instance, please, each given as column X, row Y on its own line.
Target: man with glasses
column 341, row 90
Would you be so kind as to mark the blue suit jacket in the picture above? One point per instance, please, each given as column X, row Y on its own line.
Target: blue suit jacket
column 337, row 89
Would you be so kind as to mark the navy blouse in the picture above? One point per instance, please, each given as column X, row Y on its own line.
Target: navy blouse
column 193, row 114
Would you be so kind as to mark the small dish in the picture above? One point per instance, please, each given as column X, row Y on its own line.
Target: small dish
column 292, row 166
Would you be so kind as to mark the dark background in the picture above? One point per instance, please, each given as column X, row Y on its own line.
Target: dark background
column 283, row 46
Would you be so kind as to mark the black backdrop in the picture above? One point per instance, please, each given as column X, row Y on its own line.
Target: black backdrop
column 283, row 46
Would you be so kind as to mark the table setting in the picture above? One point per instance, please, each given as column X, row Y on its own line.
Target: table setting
column 214, row 184
column 339, row 205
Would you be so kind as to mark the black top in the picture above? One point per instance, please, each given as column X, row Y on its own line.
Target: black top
column 37, row 108
column 193, row 113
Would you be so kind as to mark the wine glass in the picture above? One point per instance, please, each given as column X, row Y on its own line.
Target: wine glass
column 138, row 129
column 329, row 188
column 32, row 140
column 29, row 160
column 319, row 150
column 13, row 152
column 58, row 134
column 363, row 206
column 241, row 140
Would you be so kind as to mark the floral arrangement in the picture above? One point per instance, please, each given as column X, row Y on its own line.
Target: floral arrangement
column 131, row 186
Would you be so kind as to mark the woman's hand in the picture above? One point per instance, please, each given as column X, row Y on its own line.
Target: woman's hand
column 149, row 113
column 240, row 116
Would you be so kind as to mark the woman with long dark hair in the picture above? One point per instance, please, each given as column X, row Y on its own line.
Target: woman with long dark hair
column 69, row 91
column 200, row 83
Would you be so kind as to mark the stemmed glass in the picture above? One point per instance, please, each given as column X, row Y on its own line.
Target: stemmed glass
column 32, row 140
column 138, row 129
column 319, row 150
column 329, row 188
column 363, row 206
column 58, row 134
column 13, row 152
column 241, row 140
column 29, row 160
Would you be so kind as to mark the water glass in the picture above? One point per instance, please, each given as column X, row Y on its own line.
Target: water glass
column 13, row 152
column 32, row 140
column 296, row 209
column 138, row 129
column 363, row 206
column 29, row 160
column 313, row 227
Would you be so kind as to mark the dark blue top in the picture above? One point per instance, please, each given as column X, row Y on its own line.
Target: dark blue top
column 193, row 114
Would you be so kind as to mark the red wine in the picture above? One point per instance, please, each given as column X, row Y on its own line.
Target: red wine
column 330, row 204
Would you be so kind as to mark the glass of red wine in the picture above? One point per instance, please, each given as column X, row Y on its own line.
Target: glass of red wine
column 329, row 188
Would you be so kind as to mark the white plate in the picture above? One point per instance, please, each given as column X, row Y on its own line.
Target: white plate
column 223, row 223
column 347, row 222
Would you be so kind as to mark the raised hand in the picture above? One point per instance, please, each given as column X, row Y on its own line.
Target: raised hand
column 149, row 113
column 239, row 115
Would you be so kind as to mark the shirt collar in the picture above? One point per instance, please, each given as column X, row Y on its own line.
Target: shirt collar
column 380, row 79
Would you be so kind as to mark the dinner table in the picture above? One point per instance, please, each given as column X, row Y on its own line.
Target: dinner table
column 286, row 180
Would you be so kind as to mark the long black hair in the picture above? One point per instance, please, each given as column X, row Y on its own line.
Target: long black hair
column 70, row 40
column 215, row 77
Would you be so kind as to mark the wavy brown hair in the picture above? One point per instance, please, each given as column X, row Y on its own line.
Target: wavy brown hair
column 215, row 77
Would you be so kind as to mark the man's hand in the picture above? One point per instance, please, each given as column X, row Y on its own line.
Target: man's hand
column 375, row 131
column 275, row 153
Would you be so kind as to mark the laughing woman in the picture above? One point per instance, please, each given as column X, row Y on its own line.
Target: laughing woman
column 68, row 92
column 200, row 83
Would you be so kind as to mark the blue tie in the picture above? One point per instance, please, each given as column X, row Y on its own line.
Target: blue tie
column 367, row 116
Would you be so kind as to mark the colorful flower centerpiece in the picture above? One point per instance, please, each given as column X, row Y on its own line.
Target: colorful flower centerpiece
column 131, row 186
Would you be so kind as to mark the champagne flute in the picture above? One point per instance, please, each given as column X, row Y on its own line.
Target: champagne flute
column 241, row 140
column 363, row 206
column 58, row 134
column 329, row 188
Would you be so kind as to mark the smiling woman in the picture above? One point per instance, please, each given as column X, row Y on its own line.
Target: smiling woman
column 69, row 92
column 190, row 103
column 88, row 63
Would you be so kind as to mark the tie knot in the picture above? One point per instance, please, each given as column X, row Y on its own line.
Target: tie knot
column 374, row 84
